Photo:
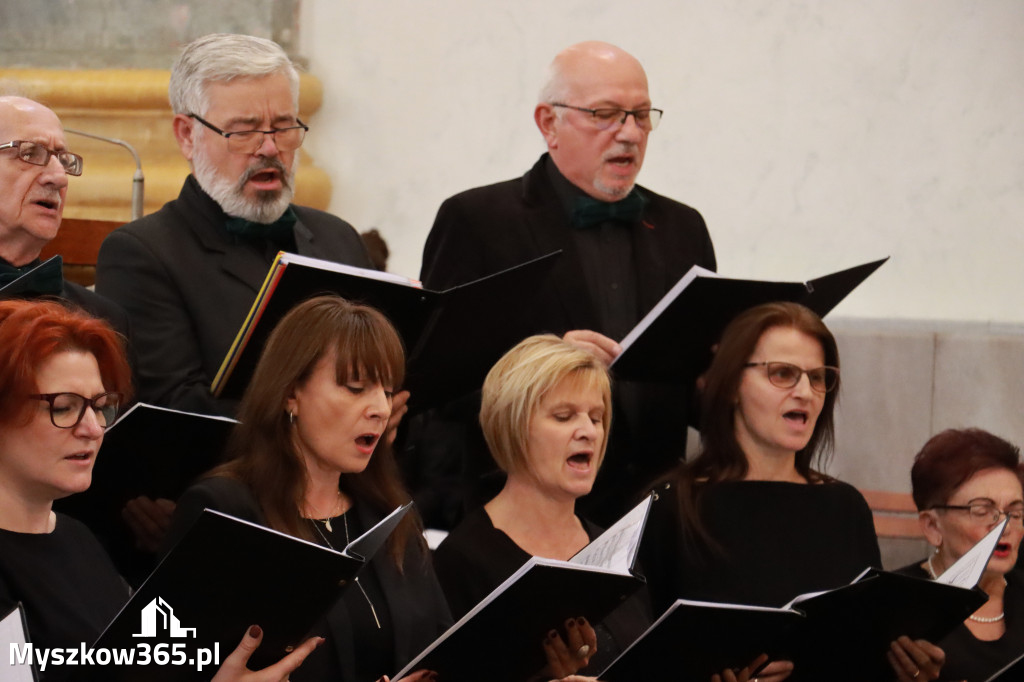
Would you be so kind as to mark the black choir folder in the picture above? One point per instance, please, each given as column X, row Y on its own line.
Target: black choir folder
column 1011, row 672
column 159, row 452
column 153, row 451
column 840, row 634
column 499, row 640
column 226, row 574
column 452, row 337
column 672, row 343
column 51, row 268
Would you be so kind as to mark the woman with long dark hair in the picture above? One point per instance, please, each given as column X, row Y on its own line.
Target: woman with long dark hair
column 309, row 459
column 754, row 520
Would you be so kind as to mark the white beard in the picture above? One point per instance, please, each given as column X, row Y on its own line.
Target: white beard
column 266, row 207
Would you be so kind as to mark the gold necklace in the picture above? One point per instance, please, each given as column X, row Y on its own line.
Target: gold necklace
column 344, row 520
column 327, row 519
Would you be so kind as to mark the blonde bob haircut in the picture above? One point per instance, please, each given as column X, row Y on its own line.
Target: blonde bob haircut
column 519, row 381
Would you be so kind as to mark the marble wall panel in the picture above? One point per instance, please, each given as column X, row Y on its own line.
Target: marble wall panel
column 884, row 411
column 979, row 381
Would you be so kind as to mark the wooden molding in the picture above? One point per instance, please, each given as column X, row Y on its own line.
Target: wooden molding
column 78, row 241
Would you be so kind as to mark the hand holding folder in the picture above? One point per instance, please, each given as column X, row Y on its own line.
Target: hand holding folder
column 853, row 624
column 227, row 574
column 500, row 639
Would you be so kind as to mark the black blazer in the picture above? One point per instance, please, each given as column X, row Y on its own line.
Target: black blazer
column 187, row 286
column 487, row 229
column 418, row 609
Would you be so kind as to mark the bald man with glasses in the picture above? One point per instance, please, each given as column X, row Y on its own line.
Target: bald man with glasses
column 188, row 274
column 35, row 164
column 623, row 247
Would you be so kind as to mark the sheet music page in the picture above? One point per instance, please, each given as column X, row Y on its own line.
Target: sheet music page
column 12, row 632
column 967, row 570
column 349, row 269
column 684, row 281
column 616, row 548
column 146, row 406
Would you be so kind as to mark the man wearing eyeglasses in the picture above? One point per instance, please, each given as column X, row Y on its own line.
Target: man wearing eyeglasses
column 188, row 274
column 34, row 167
column 623, row 246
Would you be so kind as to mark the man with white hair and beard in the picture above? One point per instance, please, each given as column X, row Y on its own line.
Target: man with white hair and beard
column 188, row 274
column 623, row 247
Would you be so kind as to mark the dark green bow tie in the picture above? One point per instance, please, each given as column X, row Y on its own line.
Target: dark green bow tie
column 34, row 279
column 277, row 231
column 588, row 211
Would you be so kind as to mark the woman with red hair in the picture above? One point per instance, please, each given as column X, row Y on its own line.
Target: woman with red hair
column 63, row 376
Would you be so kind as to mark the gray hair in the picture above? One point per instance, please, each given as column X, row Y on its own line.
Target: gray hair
column 555, row 88
column 222, row 57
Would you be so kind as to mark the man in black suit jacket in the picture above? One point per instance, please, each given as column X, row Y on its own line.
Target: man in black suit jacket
column 34, row 168
column 188, row 274
column 623, row 247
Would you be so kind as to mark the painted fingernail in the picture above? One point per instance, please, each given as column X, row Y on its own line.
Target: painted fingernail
column 255, row 631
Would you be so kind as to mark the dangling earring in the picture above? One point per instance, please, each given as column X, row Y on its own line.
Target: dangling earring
column 291, row 418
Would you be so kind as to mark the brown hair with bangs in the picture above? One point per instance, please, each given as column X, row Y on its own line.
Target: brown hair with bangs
column 261, row 451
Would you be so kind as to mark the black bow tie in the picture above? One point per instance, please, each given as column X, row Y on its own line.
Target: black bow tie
column 277, row 231
column 589, row 211
column 34, row 279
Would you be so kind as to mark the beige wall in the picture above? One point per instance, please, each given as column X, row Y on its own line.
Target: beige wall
column 812, row 135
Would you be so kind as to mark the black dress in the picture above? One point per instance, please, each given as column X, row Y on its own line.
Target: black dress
column 476, row 557
column 67, row 584
column 774, row 540
column 975, row 660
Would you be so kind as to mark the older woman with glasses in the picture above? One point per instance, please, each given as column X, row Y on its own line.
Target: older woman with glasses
column 63, row 376
column 964, row 483
column 753, row 521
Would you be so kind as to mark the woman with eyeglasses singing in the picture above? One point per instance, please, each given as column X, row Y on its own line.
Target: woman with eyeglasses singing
column 63, row 376
column 964, row 483
column 754, row 521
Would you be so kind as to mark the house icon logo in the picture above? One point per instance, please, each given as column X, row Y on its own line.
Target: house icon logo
column 158, row 619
